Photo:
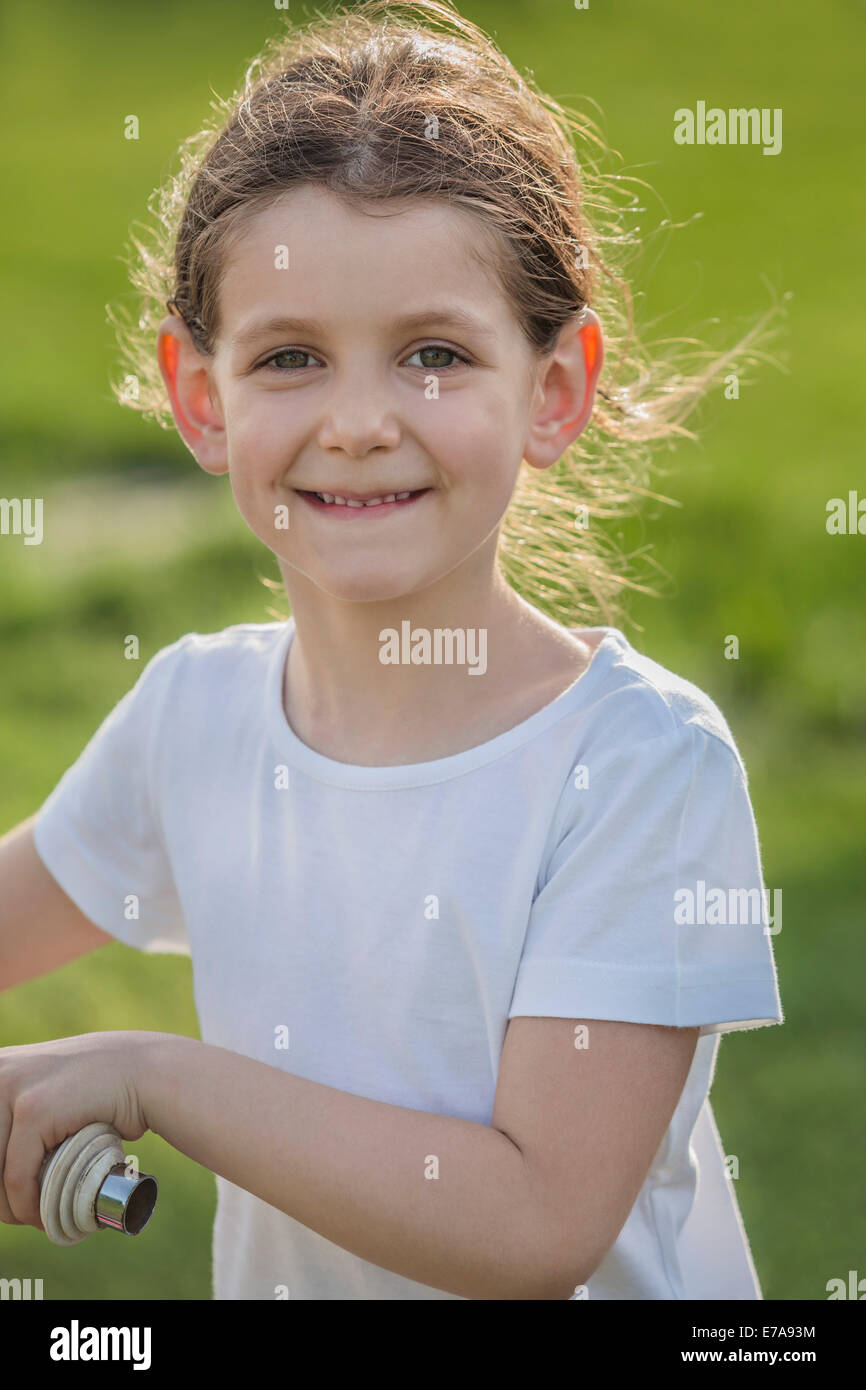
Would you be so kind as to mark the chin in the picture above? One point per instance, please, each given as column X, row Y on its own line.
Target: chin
column 366, row 588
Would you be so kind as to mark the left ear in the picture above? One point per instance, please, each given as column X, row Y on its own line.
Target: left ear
column 565, row 391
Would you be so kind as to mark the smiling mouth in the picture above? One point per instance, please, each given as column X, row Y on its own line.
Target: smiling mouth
column 335, row 502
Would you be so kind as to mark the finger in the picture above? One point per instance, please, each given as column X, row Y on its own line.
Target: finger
column 6, row 1214
column 24, row 1153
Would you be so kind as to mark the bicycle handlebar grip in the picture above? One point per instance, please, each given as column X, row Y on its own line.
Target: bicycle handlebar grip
column 85, row 1185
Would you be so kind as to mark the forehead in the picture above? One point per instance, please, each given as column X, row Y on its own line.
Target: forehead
column 311, row 253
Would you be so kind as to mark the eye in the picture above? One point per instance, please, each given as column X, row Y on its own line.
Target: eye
column 271, row 362
column 284, row 352
column 439, row 347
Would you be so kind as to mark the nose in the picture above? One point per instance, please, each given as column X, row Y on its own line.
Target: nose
column 359, row 415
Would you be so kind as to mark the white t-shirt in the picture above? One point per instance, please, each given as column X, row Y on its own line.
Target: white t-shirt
column 394, row 919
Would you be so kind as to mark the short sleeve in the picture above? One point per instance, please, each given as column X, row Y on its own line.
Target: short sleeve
column 98, row 832
column 653, row 907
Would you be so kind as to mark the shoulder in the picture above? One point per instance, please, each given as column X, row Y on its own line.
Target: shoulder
column 203, row 675
column 640, row 707
column 641, row 746
column 228, row 643
column 232, row 649
column 652, row 768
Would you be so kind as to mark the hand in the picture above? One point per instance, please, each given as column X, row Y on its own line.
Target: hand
column 53, row 1089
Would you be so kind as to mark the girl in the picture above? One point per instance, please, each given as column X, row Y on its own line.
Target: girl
column 470, row 892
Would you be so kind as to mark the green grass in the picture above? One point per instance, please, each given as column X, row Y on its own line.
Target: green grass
column 139, row 541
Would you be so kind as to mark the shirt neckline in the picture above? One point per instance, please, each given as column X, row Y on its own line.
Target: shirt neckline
column 373, row 778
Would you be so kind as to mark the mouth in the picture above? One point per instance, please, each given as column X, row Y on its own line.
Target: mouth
column 354, row 505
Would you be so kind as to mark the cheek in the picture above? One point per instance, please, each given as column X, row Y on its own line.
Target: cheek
column 468, row 432
column 260, row 444
column 480, row 457
column 468, row 436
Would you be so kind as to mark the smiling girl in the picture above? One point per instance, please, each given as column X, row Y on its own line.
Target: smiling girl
column 455, row 1042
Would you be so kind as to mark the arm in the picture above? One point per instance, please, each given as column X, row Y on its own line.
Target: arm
column 353, row 1169
column 40, row 926
column 523, row 1209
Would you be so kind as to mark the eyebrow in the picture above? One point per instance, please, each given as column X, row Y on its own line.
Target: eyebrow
column 443, row 314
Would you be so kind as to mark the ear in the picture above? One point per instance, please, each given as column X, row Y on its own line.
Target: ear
column 194, row 400
column 565, row 390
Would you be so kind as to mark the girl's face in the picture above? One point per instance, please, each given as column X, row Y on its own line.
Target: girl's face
column 321, row 383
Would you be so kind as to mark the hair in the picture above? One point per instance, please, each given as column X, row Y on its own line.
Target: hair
column 350, row 102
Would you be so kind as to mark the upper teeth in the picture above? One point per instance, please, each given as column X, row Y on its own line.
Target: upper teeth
column 369, row 502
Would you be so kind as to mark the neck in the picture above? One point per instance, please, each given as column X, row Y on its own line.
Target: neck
column 375, row 677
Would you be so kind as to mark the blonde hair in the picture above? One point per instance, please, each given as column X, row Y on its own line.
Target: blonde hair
column 347, row 102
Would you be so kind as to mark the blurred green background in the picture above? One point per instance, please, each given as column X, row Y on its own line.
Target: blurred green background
column 139, row 540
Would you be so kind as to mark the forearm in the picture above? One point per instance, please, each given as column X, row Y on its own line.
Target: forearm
column 355, row 1170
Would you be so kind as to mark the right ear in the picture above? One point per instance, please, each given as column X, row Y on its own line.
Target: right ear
column 187, row 378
